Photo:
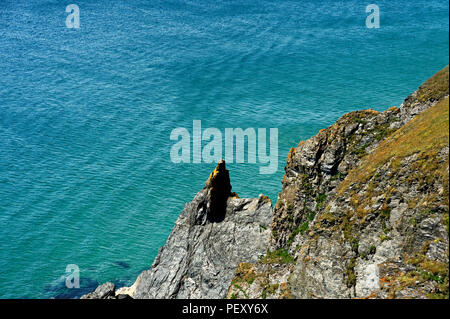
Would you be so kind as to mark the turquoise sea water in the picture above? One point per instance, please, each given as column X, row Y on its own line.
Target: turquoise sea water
column 86, row 115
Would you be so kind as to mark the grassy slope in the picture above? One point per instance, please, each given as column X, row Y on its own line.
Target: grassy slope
column 426, row 134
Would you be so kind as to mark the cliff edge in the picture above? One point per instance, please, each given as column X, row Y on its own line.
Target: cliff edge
column 213, row 234
column 363, row 213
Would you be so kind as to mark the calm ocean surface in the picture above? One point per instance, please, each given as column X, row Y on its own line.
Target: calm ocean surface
column 86, row 115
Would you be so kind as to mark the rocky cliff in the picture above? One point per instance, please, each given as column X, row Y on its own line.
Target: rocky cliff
column 363, row 213
column 213, row 234
column 363, row 210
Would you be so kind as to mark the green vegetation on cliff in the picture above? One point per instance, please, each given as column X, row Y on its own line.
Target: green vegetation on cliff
column 425, row 135
column 434, row 88
column 364, row 209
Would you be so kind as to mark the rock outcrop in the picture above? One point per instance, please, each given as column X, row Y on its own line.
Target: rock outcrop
column 106, row 291
column 363, row 213
column 214, row 232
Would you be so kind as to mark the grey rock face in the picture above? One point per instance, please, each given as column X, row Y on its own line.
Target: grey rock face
column 321, row 275
column 214, row 232
column 105, row 291
column 199, row 258
column 316, row 167
column 364, row 207
column 261, row 280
